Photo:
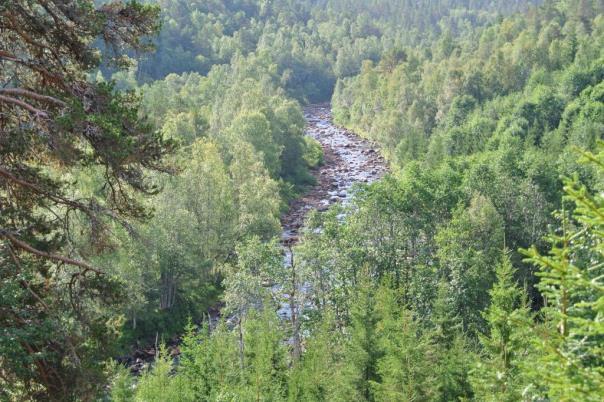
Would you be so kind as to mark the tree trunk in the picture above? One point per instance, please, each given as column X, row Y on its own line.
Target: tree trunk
column 297, row 352
column 167, row 291
column 241, row 345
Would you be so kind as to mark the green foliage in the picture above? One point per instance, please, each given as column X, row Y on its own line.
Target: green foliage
column 452, row 101
column 210, row 367
column 407, row 354
column 571, row 355
column 313, row 155
column 258, row 263
column 240, row 152
column 466, row 249
column 209, row 362
column 318, row 376
column 498, row 376
column 122, row 383
column 265, row 364
column 362, row 350
column 158, row 385
column 403, row 293
column 308, row 44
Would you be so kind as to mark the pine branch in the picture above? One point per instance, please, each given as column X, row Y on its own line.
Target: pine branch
column 55, row 257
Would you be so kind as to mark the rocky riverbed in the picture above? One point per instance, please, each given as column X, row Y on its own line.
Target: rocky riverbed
column 348, row 159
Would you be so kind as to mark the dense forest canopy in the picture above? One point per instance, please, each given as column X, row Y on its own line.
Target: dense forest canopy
column 311, row 43
column 150, row 150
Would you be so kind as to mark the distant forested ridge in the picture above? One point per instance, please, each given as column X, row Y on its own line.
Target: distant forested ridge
column 310, row 43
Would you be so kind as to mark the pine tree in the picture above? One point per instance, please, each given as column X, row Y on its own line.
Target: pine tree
column 121, row 384
column 317, row 377
column 264, row 376
column 467, row 248
column 498, row 374
column 54, row 123
column 159, row 385
column 452, row 348
column 445, row 318
column 361, row 350
column 406, row 353
column 209, row 362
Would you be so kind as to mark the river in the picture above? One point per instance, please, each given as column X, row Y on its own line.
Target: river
column 348, row 159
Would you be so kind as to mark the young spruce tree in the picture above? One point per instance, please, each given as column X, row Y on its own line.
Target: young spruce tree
column 498, row 374
column 570, row 342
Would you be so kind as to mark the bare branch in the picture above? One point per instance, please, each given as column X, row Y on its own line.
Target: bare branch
column 8, row 175
column 8, row 56
column 24, row 105
column 51, row 77
column 23, row 282
column 33, row 95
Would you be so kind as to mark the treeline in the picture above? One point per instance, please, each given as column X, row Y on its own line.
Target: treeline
column 523, row 79
column 123, row 203
column 76, row 190
column 498, row 118
column 241, row 134
column 130, row 206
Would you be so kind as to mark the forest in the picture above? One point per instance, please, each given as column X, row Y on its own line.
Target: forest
column 302, row 200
